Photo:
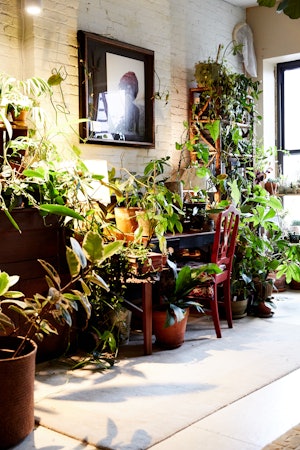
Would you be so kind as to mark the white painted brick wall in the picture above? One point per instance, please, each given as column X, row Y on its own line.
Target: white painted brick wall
column 180, row 32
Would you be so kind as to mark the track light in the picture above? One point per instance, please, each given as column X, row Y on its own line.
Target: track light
column 33, row 7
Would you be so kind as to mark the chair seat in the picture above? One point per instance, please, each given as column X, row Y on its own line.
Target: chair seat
column 205, row 291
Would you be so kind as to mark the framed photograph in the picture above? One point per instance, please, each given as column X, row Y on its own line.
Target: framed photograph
column 116, row 85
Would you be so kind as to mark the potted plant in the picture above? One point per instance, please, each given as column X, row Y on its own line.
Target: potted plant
column 17, row 354
column 157, row 208
column 170, row 316
column 261, row 247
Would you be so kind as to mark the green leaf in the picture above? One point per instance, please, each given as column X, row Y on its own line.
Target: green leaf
column 84, row 302
column 79, row 252
column 214, row 129
column 61, row 211
column 4, row 283
column 93, row 246
column 47, row 328
column 178, row 312
column 11, row 219
column 74, row 263
column 290, row 7
column 14, row 294
column 235, row 192
column 268, row 3
column 37, row 173
column 5, row 322
column 50, row 270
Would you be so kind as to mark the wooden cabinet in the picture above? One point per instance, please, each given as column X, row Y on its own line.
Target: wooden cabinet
column 40, row 238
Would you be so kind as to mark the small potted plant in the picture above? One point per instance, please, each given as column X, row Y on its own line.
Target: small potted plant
column 171, row 315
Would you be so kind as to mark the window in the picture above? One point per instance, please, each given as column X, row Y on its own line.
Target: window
column 288, row 76
column 288, row 97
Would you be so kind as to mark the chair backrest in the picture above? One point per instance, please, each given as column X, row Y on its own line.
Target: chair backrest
column 225, row 237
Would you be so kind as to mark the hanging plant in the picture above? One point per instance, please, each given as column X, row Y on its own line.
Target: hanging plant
column 290, row 8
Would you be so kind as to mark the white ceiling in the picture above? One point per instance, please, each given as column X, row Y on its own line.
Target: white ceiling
column 243, row 3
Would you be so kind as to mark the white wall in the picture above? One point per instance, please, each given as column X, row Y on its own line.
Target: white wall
column 181, row 32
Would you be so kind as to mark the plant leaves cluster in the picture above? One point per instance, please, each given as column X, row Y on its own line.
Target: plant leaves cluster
column 61, row 299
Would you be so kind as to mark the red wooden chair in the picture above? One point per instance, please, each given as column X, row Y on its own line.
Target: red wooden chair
column 208, row 294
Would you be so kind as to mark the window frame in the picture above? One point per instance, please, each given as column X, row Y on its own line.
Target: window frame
column 281, row 69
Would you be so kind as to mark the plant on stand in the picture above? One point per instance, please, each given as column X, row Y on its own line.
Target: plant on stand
column 158, row 210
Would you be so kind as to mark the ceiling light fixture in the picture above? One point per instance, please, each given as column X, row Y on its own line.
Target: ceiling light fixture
column 33, row 7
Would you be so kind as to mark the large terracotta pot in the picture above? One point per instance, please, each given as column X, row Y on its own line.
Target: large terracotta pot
column 126, row 221
column 16, row 391
column 172, row 336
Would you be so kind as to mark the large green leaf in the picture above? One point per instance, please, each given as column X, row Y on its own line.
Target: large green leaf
column 4, row 283
column 79, row 252
column 74, row 263
column 37, row 173
column 61, row 210
column 112, row 248
column 214, row 129
column 93, row 246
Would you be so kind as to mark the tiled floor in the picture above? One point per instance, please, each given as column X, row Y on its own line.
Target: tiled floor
column 210, row 416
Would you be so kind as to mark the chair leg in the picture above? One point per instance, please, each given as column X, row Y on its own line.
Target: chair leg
column 215, row 313
column 227, row 303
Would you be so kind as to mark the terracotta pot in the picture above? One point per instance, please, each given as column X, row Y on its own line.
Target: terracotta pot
column 146, row 225
column 263, row 289
column 16, row 391
column 294, row 285
column 271, row 187
column 172, row 336
column 126, row 221
column 279, row 283
column 21, row 117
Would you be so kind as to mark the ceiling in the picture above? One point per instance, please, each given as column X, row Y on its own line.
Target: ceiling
column 243, row 3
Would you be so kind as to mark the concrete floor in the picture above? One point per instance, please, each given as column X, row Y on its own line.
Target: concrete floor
column 236, row 393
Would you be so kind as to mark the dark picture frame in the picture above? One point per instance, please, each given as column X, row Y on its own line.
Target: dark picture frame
column 116, row 85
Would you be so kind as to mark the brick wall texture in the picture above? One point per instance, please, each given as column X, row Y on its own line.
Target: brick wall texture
column 180, row 32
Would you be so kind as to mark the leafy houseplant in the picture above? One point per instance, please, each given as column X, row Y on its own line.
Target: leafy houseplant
column 34, row 172
column 261, row 247
column 226, row 103
column 157, row 205
column 173, row 308
column 39, row 313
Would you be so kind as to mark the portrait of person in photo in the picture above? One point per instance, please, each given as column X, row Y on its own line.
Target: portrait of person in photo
column 129, row 85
